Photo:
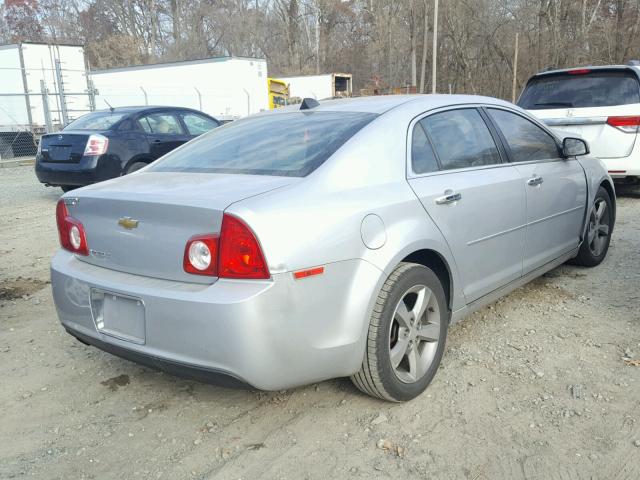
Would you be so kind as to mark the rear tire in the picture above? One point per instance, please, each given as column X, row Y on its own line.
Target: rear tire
column 595, row 245
column 406, row 337
column 134, row 167
column 68, row 188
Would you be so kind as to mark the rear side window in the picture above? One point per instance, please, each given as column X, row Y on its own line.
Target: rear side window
column 286, row 144
column 526, row 140
column 461, row 139
column 423, row 160
column 593, row 89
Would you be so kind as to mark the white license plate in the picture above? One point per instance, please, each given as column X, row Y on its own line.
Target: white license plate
column 119, row 316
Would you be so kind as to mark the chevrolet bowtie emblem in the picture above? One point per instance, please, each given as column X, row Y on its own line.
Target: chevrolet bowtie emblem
column 128, row 223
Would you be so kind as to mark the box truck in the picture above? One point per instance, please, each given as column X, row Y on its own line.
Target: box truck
column 329, row 85
column 224, row 87
column 42, row 87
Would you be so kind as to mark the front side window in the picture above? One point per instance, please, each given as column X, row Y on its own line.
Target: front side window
column 526, row 140
column 461, row 139
column 289, row 144
column 198, row 124
column 423, row 160
column 160, row 123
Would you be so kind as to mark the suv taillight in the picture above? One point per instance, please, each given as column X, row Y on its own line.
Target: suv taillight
column 235, row 253
column 96, row 145
column 626, row 124
column 70, row 231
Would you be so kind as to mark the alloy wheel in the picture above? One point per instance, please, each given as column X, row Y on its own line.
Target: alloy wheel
column 598, row 229
column 414, row 334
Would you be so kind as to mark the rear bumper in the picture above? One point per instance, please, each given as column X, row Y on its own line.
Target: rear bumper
column 191, row 372
column 85, row 172
column 270, row 334
column 620, row 168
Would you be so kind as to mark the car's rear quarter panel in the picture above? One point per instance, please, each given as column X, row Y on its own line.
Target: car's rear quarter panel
column 317, row 222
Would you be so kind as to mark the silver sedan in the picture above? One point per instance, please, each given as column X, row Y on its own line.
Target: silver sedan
column 327, row 240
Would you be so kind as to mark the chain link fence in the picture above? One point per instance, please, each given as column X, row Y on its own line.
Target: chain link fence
column 18, row 145
column 35, row 101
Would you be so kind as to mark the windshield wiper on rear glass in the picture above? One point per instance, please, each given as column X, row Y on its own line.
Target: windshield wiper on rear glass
column 553, row 104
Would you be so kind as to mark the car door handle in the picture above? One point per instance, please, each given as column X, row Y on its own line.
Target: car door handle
column 535, row 180
column 448, row 198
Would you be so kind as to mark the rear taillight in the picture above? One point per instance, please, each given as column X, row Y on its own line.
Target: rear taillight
column 96, row 145
column 627, row 124
column 240, row 253
column 201, row 255
column 235, row 253
column 70, row 231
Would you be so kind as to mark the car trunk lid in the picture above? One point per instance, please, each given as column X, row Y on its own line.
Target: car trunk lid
column 63, row 147
column 140, row 224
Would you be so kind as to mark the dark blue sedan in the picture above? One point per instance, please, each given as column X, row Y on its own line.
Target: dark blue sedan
column 110, row 143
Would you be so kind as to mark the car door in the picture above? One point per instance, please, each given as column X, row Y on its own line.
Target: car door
column 164, row 132
column 556, row 188
column 475, row 198
column 196, row 124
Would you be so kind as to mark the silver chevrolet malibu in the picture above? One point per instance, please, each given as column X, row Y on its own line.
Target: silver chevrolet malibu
column 325, row 240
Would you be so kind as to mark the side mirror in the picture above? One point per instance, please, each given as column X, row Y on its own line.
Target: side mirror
column 574, row 147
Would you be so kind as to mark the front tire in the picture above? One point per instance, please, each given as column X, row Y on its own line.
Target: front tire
column 407, row 334
column 595, row 245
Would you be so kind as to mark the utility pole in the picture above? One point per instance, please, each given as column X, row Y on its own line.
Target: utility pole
column 434, row 59
column 424, row 48
column 515, row 72
column 317, row 8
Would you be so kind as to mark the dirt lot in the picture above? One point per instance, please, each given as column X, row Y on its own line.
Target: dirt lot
column 537, row 386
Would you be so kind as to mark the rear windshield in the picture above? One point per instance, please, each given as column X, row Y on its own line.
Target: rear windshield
column 594, row 89
column 289, row 144
column 95, row 121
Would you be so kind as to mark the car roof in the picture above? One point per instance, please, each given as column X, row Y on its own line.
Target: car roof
column 143, row 108
column 383, row 103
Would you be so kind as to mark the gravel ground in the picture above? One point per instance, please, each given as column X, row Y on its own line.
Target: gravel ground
column 540, row 385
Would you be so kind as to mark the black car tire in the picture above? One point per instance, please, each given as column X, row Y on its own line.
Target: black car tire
column 135, row 166
column 68, row 188
column 595, row 245
column 377, row 376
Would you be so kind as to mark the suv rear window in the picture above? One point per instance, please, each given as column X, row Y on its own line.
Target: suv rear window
column 286, row 144
column 593, row 89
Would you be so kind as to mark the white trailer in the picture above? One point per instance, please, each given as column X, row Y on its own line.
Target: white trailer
column 224, row 87
column 41, row 84
column 329, row 85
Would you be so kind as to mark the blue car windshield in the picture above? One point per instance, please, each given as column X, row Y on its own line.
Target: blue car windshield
column 285, row 144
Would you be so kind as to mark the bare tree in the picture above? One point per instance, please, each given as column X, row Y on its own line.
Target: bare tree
column 379, row 41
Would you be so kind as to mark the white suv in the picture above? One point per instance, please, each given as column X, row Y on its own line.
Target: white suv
column 601, row 104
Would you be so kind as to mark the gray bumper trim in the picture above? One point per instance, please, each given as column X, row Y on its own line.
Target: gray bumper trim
column 191, row 372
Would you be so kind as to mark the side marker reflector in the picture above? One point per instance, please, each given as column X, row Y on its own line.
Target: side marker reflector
column 308, row 273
